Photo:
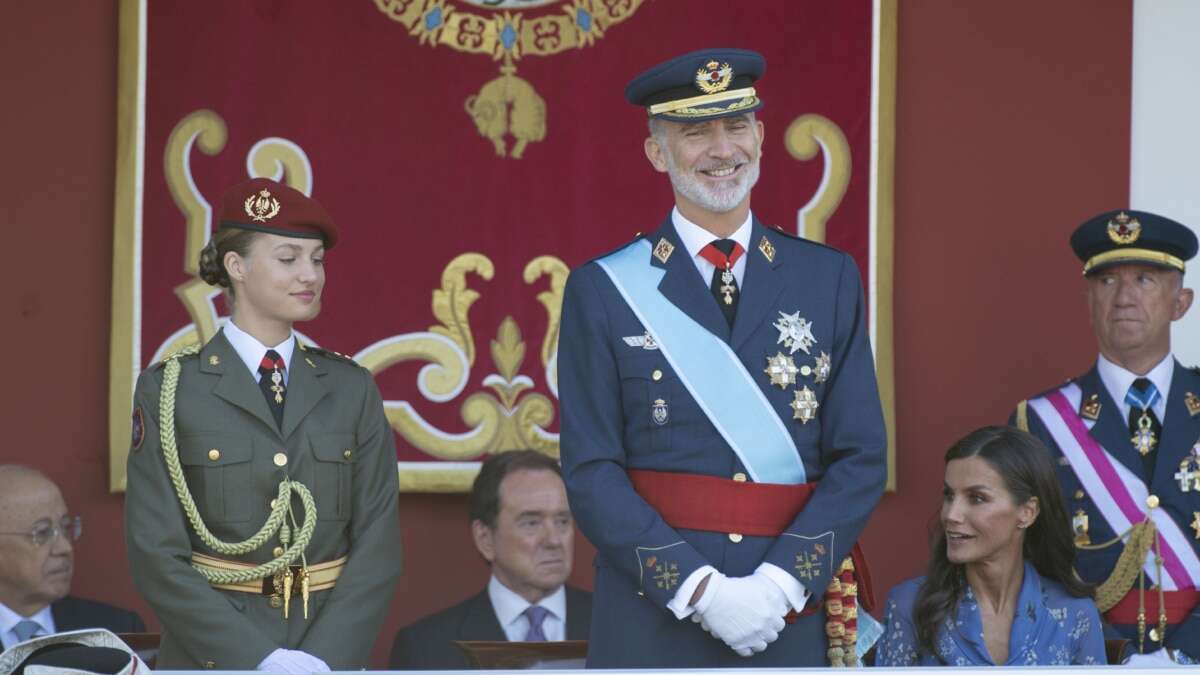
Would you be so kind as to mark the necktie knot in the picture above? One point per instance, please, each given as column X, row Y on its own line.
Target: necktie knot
column 536, row 615
column 271, row 361
column 1142, row 394
column 722, row 252
column 26, row 629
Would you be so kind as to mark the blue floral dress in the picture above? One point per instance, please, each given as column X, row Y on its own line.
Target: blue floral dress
column 1050, row 628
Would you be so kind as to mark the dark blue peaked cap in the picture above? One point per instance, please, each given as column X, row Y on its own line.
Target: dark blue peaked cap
column 701, row 85
column 1127, row 236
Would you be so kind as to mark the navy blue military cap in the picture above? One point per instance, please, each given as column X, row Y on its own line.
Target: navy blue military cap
column 702, row 85
column 1128, row 236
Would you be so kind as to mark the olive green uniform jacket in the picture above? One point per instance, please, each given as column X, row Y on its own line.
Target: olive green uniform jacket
column 336, row 441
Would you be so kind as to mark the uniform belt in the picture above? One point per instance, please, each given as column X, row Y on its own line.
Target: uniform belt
column 320, row 577
column 1179, row 605
column 711, row 504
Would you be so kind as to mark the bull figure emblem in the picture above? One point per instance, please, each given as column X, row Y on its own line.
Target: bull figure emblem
column 508, row 105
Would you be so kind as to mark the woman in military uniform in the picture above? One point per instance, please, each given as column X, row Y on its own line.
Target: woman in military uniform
column 261, row 512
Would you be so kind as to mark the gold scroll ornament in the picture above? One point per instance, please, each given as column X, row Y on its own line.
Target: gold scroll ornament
column 508, row 106
column 806, row 136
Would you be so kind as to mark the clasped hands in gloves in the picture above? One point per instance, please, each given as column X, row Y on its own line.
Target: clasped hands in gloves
column 745, row 613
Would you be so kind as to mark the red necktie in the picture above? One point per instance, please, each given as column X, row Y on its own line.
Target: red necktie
column 271, row 383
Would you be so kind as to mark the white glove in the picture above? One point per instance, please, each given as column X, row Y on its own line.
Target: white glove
column 292, row 662
column 745, row 613
column 1155, row 659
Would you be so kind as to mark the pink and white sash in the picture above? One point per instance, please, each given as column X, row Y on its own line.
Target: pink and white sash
column 1117, row 492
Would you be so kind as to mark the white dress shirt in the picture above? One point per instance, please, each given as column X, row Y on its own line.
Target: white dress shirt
column 695, row 238
column 9, row 619
column 252, row 351
column 510, row 608
column 1117, row 381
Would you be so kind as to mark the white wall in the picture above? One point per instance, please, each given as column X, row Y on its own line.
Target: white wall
column 1165, row 162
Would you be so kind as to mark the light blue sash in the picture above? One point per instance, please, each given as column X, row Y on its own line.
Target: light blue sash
column 712, row 373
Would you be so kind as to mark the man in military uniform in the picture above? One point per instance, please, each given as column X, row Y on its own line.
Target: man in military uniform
column 1126, row 435
column 261, row 513
column 722, row 437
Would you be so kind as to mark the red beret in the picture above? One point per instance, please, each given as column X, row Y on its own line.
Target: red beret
column 264, row 205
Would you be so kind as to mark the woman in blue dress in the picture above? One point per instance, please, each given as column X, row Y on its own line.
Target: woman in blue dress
column 1000, row 588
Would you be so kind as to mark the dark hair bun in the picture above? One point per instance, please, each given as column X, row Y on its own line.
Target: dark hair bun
column 212, row 268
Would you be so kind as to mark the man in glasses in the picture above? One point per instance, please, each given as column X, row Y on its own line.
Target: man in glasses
column 37, row 560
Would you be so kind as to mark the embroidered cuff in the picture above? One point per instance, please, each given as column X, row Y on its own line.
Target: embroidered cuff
column 679, row 605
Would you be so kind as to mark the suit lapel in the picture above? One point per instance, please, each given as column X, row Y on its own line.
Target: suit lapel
column 683, row 286
column 305, row 389
column 480, row 622
column 1180, row 429
column 761, row 285
column 579, row 619
column 1111, row 430
column 236, row 385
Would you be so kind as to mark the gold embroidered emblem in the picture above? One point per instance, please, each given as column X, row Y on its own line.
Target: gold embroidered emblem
column 1192, row 403
column 214, row 360
column 309, row 362
column 713, row 77
column 261, row 206
column 808, row 566
column 663, row 250
column 767, row 249
column 1090, row 408
column 1124, row 230
column 666, row 576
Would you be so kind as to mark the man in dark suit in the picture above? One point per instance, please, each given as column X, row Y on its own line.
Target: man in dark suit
column 522, row 526
column 37, row 561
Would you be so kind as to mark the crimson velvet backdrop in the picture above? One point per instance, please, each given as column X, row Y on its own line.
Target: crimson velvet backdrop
column 1012, row 126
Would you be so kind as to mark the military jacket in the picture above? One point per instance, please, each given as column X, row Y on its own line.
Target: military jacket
column 624, row 407
column 1180, row 438
column 334, row 439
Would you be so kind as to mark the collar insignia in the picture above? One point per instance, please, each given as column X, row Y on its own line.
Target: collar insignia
column 261, row 206
column 767, row 249
column 713, row 77
column 663, row 250
column 1124, row 230
column 214, row 360
column 1090, row 408
column 1193, row 404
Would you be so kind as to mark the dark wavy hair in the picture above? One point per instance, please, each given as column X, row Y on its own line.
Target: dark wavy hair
column 1025, row 466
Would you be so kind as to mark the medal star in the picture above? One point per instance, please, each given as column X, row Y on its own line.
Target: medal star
column 804, row 406
column 824, row 366
column 794, row 332
column 1196, row 523
column 782, row 370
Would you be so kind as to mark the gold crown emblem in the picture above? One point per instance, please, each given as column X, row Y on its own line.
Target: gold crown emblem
column 1124, row 230
column 262, row 206
column 713, row 77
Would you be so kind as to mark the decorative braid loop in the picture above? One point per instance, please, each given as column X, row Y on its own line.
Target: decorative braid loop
column 281, row 512
column 841, row 617
column 1129, row 565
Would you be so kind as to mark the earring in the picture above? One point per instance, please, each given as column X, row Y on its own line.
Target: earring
column 1021, row 526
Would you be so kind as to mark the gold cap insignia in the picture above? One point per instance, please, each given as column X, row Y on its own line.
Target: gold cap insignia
column 713, row 77
column 1193, row 404
column 1124, row 230
column 262, row 206
column 767, row 249
column 1090, row 408
column 663, row 250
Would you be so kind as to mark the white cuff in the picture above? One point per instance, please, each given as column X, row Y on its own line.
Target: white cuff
column 797, row 595
column 680, row 605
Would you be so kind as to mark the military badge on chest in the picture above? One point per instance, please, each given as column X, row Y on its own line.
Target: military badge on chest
column 796, row 334
column 659, row 413
column 1188, row 475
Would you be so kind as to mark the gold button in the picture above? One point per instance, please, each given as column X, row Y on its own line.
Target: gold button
column 1079, row 494
column 348, row 454
column 735, row 537
column 273, row 501
column 209, row 665
column 275, row 602
column 280, row 459
column 278, row 551
column 805, row 371
column 214, row 454
column 657, row 375
column 739, row 477
column 1152, row 501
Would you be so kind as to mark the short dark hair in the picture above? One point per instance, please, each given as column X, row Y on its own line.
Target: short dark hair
column 485, row 492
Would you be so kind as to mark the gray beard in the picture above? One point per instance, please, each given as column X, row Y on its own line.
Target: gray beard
column 716, row 201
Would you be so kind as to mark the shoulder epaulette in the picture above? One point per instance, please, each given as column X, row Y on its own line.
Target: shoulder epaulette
column 329, row 353
column 636, row 238
column 779, row 230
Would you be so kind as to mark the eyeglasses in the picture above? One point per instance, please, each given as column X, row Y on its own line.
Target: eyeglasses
column 70, row 527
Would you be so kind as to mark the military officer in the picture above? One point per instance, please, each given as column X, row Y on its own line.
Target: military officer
column 261, row 512
column 1126, row 436
column 722, row 436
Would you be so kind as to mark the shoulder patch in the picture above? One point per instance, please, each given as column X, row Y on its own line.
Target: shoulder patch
column 139, row 429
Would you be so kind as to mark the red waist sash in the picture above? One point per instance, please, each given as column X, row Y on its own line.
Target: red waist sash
column 1179, row 605
column 711, row 504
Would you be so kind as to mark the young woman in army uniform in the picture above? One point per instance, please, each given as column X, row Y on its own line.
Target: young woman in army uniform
column 261, row 513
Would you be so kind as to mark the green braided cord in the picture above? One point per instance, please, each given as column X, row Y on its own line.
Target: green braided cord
column 276, row 522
